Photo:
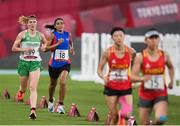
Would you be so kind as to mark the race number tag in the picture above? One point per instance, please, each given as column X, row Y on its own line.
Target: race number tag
column 34, row 53
column 61, row 54
column 156, row 82
column 118, row 75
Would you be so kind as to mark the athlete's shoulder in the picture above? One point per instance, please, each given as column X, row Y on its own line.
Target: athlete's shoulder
column 110, row 49
column 144, row 53
column 131, row 51
column 166, row 55
column 40, row 33
column 67, row 33
column 161, row 51
column 54, row 32
column 22, row 33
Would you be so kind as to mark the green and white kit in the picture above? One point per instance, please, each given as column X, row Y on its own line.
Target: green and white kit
column 30, row 61
column 33, row 43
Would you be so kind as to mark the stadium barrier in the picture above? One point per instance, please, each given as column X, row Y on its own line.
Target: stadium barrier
column 89, row 57
column 93, row 44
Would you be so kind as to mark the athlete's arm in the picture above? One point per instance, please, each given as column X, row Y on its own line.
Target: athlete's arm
column 137, row 68
column 102, row 62
column 52, row 39
column 16, row 46
column 71, row 44
column 170, row 69
column 133, row 54
column 44, row 42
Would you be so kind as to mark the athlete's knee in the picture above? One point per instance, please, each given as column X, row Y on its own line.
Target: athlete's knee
column 62, row 83
column 52, row 85
column 32, row 88
column 113, row 111
column 53, row 82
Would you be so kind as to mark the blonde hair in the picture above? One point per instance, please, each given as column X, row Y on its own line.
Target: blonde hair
column 24, row 19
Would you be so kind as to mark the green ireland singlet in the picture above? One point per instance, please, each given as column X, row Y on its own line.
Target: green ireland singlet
column 30, row 61
column 33, row 43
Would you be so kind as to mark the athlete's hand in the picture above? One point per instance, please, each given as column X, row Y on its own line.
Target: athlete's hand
column 72, row 51
column 27, row 50
column 43, row 48
column 170, row 85
column 105, row 80
column 146, row 78
column 60, row 41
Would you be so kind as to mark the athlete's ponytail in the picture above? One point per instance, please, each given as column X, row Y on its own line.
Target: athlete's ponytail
column 52, row 27
column 24, row 19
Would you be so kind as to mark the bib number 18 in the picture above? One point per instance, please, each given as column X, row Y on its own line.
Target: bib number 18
column 61, row 54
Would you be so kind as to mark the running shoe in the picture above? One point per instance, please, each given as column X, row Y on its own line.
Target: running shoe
column 51, row 106
column 19, row 96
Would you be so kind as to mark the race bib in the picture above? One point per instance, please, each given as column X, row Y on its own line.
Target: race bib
column 118, row 75
column 61, row 54
column 156, row 82
column 34, row 53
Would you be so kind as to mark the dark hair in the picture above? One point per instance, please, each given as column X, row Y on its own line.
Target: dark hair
column 151, row 29
column 114, row 29
column 52, row 27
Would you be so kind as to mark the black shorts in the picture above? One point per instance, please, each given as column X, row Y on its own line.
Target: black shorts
column 55, row 72
column 150, row 103
column 112, row 92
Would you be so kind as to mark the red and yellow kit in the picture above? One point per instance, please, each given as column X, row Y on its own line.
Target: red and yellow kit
column 156, row 86
column 119, row 70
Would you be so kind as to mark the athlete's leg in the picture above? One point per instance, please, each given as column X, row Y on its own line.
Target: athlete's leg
column 62, row 91
column 52, row 87
column 23, row 83
column 54, row 74
column 22, row 88
column 126, row 105
column 34, row 79
column 112, row 102
column 23, row 77
column 145, row 109
column 144, row 115
column 160, row 109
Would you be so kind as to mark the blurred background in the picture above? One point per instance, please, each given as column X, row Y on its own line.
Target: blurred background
column 92, row 16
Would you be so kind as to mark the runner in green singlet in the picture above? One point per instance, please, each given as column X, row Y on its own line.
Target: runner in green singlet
column 28, row 43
